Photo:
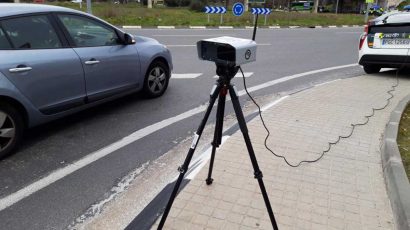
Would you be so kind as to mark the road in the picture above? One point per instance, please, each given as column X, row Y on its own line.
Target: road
column 51, row 149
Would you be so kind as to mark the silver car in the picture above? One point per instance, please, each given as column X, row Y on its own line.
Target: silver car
column 56, row 61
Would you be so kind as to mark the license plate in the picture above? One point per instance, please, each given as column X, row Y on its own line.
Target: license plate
column 395, row 43
column 392, row 40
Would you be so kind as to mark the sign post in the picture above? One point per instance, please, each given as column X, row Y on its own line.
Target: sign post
column 366, row 17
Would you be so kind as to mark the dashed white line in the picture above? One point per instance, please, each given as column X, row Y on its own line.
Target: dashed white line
column 261, row 44
column 137, row 135
column 185, row 75
column 247, row 74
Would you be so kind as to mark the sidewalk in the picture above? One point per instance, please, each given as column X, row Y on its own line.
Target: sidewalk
column 344, row 190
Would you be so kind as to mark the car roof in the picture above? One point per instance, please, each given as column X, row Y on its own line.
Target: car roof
column 392, row 18
column 10, row 9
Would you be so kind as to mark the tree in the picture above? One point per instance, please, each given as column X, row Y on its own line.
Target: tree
column 315, row 6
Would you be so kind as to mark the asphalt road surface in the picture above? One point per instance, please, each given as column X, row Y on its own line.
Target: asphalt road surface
column 49, row 151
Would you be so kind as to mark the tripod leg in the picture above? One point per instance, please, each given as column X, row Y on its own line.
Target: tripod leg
column 220, row 112
column 257, row 171
column 184, row 168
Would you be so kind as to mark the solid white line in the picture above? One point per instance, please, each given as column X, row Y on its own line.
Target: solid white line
column 283, row 79
column 270, row 105
column 202, row 159
column 61, row 173
column 67, row 170
column 185, row 75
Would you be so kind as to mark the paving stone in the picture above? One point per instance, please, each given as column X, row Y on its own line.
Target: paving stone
column 343, row 190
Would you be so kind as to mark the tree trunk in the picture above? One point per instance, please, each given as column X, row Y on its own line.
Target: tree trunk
column 149, row 4
column 315, row 6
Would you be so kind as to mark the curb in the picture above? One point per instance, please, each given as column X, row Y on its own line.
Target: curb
column 233, row 27
column 398, row 186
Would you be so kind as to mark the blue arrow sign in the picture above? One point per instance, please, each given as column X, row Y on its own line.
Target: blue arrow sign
column 261, row 11
column 215, row 10
column 238, row 9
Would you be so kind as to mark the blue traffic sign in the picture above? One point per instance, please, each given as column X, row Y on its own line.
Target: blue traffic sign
column 215, row 10
column 238, row 9
column 261, row 11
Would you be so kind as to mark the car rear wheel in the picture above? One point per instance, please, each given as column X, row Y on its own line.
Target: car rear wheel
column 156, row 79
column 11, row 129
column 369, row 69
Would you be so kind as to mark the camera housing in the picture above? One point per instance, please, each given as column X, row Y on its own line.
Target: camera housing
column 227, row 51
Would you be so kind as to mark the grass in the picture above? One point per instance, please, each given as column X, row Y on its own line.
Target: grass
column 403, row 140
column 135, row 14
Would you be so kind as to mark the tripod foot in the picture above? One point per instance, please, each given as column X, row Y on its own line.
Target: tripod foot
column 209, row 181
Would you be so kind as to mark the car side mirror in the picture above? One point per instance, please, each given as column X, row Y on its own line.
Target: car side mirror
column 129, row 39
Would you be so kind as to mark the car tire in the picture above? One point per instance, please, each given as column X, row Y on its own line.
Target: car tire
column 369, row 69
column 11, row 129
column 156, row 79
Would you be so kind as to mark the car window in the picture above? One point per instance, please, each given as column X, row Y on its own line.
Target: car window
column 4, row 43
column 88, row 33
column 32, row 32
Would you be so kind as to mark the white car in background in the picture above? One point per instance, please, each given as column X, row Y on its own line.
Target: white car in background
column 385, row 42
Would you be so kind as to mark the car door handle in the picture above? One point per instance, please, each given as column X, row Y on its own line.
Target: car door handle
column 20, row 69
column 92, row 62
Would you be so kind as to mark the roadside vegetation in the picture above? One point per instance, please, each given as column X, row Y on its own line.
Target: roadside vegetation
column 137, row 14
column 403, row 140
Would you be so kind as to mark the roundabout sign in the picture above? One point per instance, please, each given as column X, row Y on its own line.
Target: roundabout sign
column 238, row 9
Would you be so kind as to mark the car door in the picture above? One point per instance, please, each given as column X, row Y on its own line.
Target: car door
column 110, row 67
column 41, row 65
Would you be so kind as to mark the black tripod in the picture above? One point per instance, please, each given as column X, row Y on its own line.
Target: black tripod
column 221, row 89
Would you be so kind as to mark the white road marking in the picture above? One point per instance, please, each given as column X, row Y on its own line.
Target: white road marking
column 291, row 77
column 238, row 75
column 197, row 27
column 225, row 27
column 189, row 35
column 261, row 44
column 89, row 159
column 166, row 27
column 274, row 27
column 185, row 75
column 131, row 27
column 201, row 161
column 270, row 105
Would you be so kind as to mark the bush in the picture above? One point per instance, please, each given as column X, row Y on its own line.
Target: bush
column 198, row 5
column 177, row 3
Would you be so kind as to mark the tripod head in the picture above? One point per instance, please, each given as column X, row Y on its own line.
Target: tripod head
column 226, row 73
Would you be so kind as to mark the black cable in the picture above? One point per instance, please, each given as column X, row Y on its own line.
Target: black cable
column 330, row 144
